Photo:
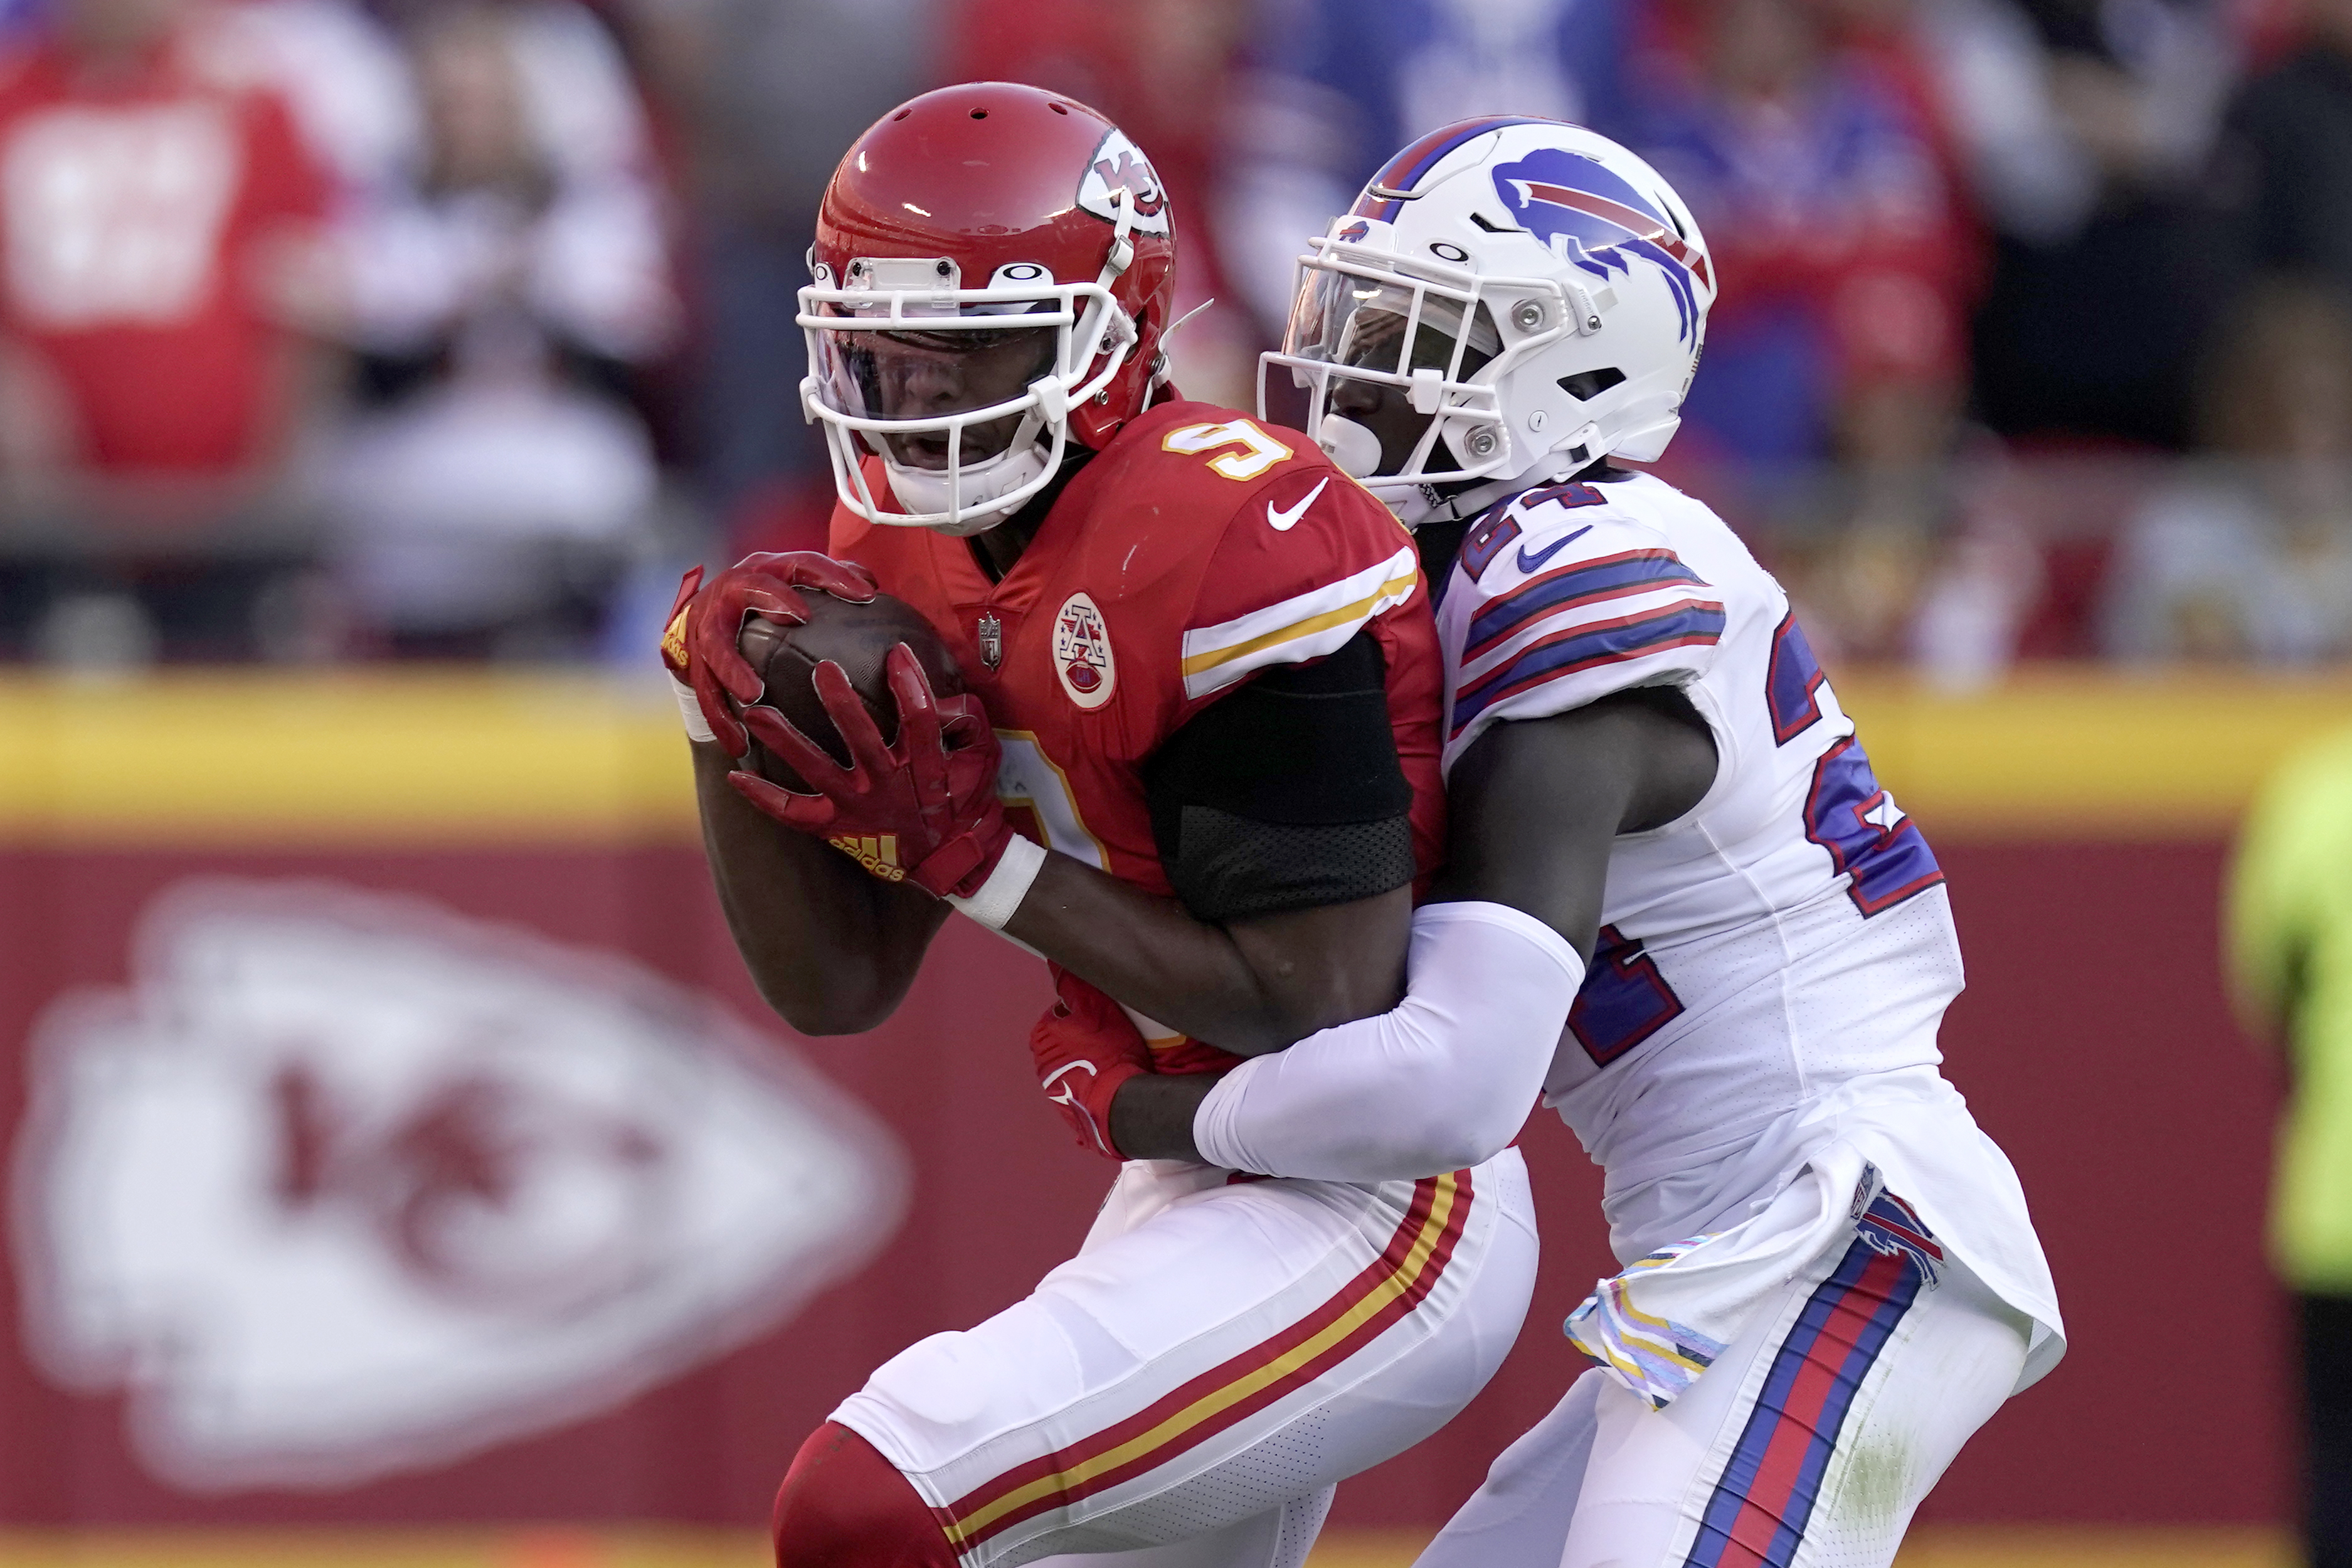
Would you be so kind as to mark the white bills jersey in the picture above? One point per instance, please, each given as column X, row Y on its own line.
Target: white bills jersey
column 1773, row 966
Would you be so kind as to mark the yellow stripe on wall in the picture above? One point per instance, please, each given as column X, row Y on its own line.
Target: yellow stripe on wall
column 403, row 758
column 2090, row 754
column 393, row 757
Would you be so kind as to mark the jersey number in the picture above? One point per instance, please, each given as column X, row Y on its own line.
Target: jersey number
column 1259, row 452
column 1489, row 539
column 1571, row 494
column 1623, row 1000
column 1037, row 797
column 1865, row 832
column 1793, row 682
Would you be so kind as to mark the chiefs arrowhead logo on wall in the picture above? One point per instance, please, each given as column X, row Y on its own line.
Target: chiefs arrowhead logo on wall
column 345, row 1184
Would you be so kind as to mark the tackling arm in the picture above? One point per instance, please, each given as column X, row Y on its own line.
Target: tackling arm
column 1283, row 816
column 1443, row 1079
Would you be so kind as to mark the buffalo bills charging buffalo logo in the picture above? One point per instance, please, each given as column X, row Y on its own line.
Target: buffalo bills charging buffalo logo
column 1556, row 195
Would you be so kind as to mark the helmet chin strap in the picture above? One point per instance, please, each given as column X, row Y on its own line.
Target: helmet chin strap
column 933, row 490
column 1462, row 500
column 1355, row 451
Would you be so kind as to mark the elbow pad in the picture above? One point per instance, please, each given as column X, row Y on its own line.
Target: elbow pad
column 1443, row 1081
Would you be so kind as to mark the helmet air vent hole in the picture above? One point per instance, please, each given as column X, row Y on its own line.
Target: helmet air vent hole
column 1587, row 384
column 1480, row 219
column 980, row 114
column 1059, row 108
column 900, row 115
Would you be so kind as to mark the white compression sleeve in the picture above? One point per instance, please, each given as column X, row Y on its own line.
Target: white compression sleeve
column 1442, row 1082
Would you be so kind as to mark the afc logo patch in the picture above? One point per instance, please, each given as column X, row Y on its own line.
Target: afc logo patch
column 1082, row 656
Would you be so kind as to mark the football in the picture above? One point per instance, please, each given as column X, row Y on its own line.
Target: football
column 857, row 637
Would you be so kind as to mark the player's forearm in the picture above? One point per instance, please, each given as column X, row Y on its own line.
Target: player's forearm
column 1152, row 1117
column 1251, row 987
column 1440, row 1083
column 832, row 949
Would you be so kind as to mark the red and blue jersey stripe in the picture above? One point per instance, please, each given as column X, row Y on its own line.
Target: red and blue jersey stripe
column 1587, row 582
column 1402, row 171
column 1587, row 646
column 1757, row 1515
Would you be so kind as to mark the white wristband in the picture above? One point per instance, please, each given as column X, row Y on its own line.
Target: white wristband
column 1006, row 886
column 697, row 727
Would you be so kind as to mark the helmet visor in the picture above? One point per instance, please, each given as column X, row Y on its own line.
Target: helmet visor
column 1345, row 320
column 928, row 378
column 1415, row 350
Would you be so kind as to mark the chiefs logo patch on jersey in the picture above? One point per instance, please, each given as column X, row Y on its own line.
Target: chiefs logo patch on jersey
column 1082, row 652
column 1119, row 164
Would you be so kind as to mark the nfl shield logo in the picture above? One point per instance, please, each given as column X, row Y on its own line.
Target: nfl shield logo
column 991, row 637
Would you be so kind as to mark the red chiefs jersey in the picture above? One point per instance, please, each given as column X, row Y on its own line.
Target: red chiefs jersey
column 1196, row 549
column 134, row 215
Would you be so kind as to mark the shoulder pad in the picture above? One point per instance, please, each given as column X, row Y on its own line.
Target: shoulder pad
column 1304, row 563
column 1536, row 526
column 1570, row 596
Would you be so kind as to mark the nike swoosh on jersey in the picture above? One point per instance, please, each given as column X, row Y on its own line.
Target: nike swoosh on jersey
column 1282, row 520
column 1535, row 563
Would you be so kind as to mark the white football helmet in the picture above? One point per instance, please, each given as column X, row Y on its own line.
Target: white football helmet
column 1537, row 288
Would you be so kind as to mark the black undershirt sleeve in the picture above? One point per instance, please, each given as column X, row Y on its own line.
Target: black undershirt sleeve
column 1287, row 795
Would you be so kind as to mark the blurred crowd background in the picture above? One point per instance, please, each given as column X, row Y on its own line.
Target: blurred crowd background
column 352, row 333
column 348, row 330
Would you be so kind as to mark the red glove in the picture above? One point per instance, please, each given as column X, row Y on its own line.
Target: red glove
column 1085, row 1047
column 700, row 643
column 924, row 809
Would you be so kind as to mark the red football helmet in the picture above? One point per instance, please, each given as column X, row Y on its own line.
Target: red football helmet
column 954, row 216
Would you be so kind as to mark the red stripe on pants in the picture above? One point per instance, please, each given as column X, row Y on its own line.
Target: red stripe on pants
column 1766, row 1504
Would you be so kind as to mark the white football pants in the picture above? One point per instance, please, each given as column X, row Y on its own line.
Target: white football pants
column 1808, row 1444
column 1216, row 1357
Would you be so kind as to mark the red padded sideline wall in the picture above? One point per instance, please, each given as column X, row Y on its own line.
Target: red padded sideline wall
column 2092, row 1041
column 2083, row 831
